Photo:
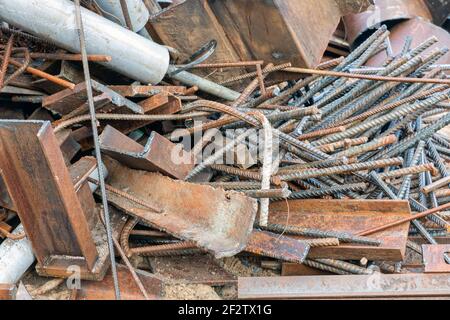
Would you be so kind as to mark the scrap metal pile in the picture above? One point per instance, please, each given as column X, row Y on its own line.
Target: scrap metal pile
column 170, row 148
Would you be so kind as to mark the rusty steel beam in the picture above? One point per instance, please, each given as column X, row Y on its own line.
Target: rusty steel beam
column 216, row 220
column 65, row 101
column 50, row 210
column 158, row 155
column 279, row 247
column 398, row 286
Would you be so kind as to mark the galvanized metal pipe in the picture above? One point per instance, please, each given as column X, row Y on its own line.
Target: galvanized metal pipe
column 16, row 256
column 204, row 84
column 53, row 20
column 137, row 10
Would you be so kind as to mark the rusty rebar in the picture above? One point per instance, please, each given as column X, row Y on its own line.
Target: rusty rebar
column 342, row 169
column 410, row 170
column 128, row 196
column 5, row 62
column 315, row 233
column 163, row 249
column 255, row 74
column 346, row 143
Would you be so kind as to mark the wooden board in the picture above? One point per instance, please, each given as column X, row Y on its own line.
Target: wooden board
column 350, row 216
column 216, row 220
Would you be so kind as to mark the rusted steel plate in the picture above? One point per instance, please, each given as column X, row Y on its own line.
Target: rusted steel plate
column 420, row 30
column 350, row 216
column 8, row 291
column 104, row 290
column 346, row 287
column 79, row 172
column 147, row 91
column 69, row 147
column 216, row 220
column 294, row 269
column 64, row 70
column 196, row 15
column 198, row 269
column 279, row 247
column 65, row 101
column 63, row 266
column 384, row 11
column 158, row 155
column 433, row 258
column 255, row 26
column 68, row 100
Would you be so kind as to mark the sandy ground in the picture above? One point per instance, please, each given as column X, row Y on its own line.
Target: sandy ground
column 41, row 288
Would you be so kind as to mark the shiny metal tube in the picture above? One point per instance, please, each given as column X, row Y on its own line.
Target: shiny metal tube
column 16, row 256
column 54, row 20
column 136, row 8
column 204, row 85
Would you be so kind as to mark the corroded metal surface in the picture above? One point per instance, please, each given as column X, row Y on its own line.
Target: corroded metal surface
column 346, row 287
column 420, row 30
column 60, row 222
column 217, row 220
column 65, row 101
column 279, row 247
column 350, row 216
column 255, row 27
column 158, row 155
column 384, row 11
column 433, row 258
column 93, row 290
column 34, row 157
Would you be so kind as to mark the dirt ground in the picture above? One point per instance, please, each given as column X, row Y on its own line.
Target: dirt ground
column 41, row 288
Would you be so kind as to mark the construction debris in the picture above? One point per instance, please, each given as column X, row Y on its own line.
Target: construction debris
column 224, row 149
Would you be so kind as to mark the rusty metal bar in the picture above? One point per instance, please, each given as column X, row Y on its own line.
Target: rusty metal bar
column 346, row 287
column 368, row 77
column 42, row 74
column 5, row 62
column 398, row 222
